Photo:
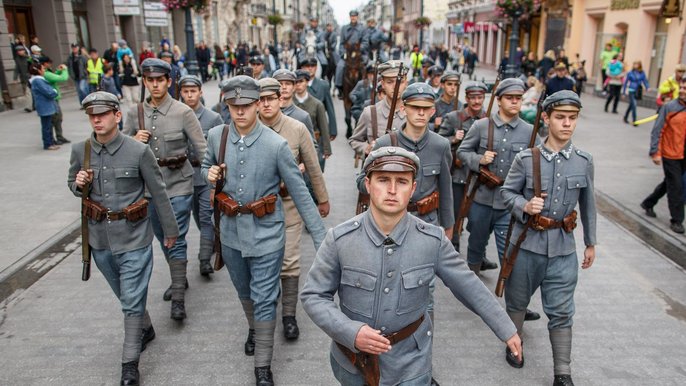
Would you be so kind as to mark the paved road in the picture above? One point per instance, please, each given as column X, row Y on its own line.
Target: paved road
column 630, row 327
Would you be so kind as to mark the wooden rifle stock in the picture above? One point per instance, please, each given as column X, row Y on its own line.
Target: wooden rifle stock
column 394, row 102
column 85, row 246
column 219, row 186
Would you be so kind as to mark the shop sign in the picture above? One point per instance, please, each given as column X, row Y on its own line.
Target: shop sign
column 134, row 10
column 469, row 27
column 670, row 8
column 617, row 5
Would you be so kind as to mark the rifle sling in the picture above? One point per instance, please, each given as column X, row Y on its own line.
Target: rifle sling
column 375, row 124
column 219, row 186
column 141, row 117
column 85, row 246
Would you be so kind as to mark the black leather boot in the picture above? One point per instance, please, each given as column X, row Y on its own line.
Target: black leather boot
column 250, row 343
column 531, row 315
column 263, row 376
column 167, row 294
column 148, row 336
column 487, row 264
column 563, row 380
column 290, row 328
column 129, row 374
column 178, row 310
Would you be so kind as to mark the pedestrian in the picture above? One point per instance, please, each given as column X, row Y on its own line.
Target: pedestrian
column 634, row 82
column 146, row 53
column 121, row 245
column 614, row 80
column 547, row 257
column 529, row 64
column 254, row 164
column 22, row 64
column 380, row 327
column 44, row 97
column 169, row 127
column 165, row 47
column 130, row 88
column 579, row 75
column 257, row 64
column 219, row 62
column 454, row 127
column 530, row 100
column 124, row 49
column 111, row 56
column 220, row 107
column 107, row 83
column 36, row 53
column 561, row 81
column 55, row 77
column 545, row 65
column 562, row 58
column 321, row 89
column 191, row 95
column 94, row 67
column 492, row 143
column 307, row 158
column 203, row 55
column 416, row 60
column 76, row 64
column 605, row 58
column 317, row 112
column 669, row 89
column 668, row 147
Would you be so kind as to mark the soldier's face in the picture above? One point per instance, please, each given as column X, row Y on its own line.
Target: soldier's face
column 301, row 86
column 388, row 85
column 450, row 88
column 106, row 124
column 561, row 124
column 390, row 192
column 311, row 69
column 287, row 89
column 257, row 69
column 191, row 95
column 353, row 19
column 157, row 86
column 475, row 102
column 244, row 116
column 510, row 104
column 269, row 106
column 417, row 116
column 436, row 80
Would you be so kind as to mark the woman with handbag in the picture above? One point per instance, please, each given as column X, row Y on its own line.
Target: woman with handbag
column 633, row 83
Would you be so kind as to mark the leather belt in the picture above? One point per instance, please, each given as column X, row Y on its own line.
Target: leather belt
column 115, row 216
column 404, row 332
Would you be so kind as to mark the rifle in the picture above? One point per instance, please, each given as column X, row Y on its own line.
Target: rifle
column 358, row 157
column 177, row 90
column 85, row 246
column 141, row 115
column 509, row 261
column 219, row 186
column 468, row 198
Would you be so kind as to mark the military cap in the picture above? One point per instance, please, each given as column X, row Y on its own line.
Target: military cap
column 450, row 75
column 475, row 87
column 269, row 86
column 511, row 86
column 390, row 68
column 435, row 70
column 565, row 100
column 302, row 74
column 241, row 90
column 428, row 62
column 391, row 159
column 353, row 13
column 223, row 84
column 245, row 70
column 100, row 102
column 190, row 80
column 283, row 74
column 257, row 59
column 419, row 94
column 308, row 62
column 680, row 68
column 155, row 67
column 166, row 54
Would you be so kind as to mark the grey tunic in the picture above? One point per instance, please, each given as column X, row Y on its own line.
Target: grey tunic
column 442, row 108
column 359, row 94
column 508, row 140
column 567, row 178
column 122, row 169
column 321, row 89
column 386, row 286
column 317, row 113
column 172, row 126
column 452, row 122
column 435, row 160
column 352, row 34
column 223, row 111
column 363, row 133
column 208, row 119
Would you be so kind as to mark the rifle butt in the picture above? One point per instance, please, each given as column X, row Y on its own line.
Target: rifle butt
column 86, row 270
column 500, row 286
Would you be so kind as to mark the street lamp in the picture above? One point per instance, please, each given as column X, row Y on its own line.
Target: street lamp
column 276, row 50
column 512, row 71
column 192, row 66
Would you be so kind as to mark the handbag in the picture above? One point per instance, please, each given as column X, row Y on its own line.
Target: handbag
column 639, row 92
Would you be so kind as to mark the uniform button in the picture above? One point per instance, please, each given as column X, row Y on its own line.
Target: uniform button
column 390, row 251
column 558, row 174
column 503, row 149
column 104, row 167
column 428, row 333
column 155, row 138
column 501, row 170
column 554, row 212
column 420, row 282
column 504, row 139
column 502, row 160
column 109, row 221
column 240, row 190
column 358, row 285
column 154, row 117
column 577, row 185
column 389, row 274
column 156, row 149
column 558, row 161
column 356, row 223
column 240, row 148
column 386, row 290
column 105, row 181
column 382, row 329
column 127, row 173
column 239, row 214
column 555, row 200
column 242, row 162
column 433, row 171
column 107, row 194
column 153, row 127
column 558, row 188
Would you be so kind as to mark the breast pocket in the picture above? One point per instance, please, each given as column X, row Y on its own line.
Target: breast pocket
column 414, row 293
column 127, row 180
column 429, row 174
column 175, row 141
column 517, row 147
column 574, row 186
column 357, row 291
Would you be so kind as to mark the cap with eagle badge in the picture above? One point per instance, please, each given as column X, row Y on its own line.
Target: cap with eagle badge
column 241, row 90
column 391, row 159
column 155, row 67
column 100, row 102
column 565, row 100
column 419, row 95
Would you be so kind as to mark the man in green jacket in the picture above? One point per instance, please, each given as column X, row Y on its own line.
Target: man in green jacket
column 60, row 75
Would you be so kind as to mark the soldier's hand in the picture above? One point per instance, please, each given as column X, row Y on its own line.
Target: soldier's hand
column 438, row 121
column 142, row 135
column 301, row 167
column 515, row 345
column 449, row 233
column 534, row 206
column 657, row 160
column 371, row 341
column 369, row 147
column 589, row 257
column 459, row 135
column 487, row 158
column 215, row 172
column 324, row 208
column 84, row 177
column 169, row 242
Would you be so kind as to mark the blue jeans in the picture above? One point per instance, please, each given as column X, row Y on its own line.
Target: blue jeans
column 82, row 89
column 256, row 279
column 202, row 211
column 347, row 378
column 46, row 130
column 557, row 277
column 632, row 106
column 484, row 220
column 128, row 274
column 182, row 210
column 92, row 87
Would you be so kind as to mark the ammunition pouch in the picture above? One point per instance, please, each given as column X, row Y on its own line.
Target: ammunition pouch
column 283, row 190
column 488, row 178
column 426, row 205
column 174, row 162
column 133, row 213
column 541, row 223
column 258, row 208
column 93, row 210
column 136, row 211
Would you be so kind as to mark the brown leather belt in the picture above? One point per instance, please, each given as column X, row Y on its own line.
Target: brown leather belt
column 172, row 162
column 541, row 223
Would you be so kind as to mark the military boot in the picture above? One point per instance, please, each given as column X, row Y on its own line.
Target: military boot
column 476, row 268
column 289, row 300
column 177, row 268
column 205, row 255
column 148, row 334
column 129, row 374
column 264, row 349
column 167, row 294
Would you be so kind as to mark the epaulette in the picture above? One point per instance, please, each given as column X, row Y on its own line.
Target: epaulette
column 347, row 227
column 584, row 154
column 524, row 153
column 429, row 229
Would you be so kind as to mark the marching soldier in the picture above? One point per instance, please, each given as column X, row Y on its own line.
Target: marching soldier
column 545, row 219
column 253, row 160
column 257, row 64
column 317, row 112
column 169, row 127
column 287, row 80
column 366, row 132
column 494, row 149
column 321, row 90
column 351, row 34
column 320, row 45
column 191, row 92
column 362, row 92
column 306, row 157
column 447, row 100
column 221, row 108
column 454, row 126
column 380, row 264
column 174, row 74
column 374, row 40
column 117, row 170
column 435, row 73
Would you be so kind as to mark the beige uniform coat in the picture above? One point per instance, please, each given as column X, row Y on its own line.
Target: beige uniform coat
column 363, row 134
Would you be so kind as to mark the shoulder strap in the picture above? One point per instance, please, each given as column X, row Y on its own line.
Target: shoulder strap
column 489, row 141
column 394, row 138
column 375, row 123
column 536, row 160
column 222, row 144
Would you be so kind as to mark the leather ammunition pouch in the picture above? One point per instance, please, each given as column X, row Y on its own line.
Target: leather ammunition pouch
column 136, row 211
column 488, row 178
column 195, row 163
column 133, row 213
column 259, row 208
column 457, row 163
column 424, row 206
column 541, row 223
column 174, row 162
column 93, row 210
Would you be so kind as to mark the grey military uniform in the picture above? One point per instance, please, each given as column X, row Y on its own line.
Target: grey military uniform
column 452, row 122
column 567, row 178
column 320, row 89
column 363, row 134
column 383, row 281
column 223, row 110
column 360, row 93
column 173, row 126
column 208, row 119
column 352, row 34
column 122, row 169
column 508, row 140
column 317, row 114
column 434, row 175
column 320, row 45
column 374, row 40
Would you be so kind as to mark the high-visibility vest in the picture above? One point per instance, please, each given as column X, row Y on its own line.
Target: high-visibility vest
column 94, row 71
column 416, row 60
